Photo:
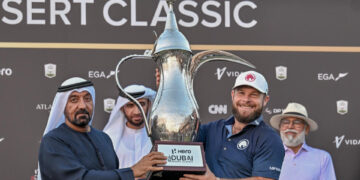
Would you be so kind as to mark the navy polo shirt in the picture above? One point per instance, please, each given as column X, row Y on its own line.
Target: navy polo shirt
column 255, row 151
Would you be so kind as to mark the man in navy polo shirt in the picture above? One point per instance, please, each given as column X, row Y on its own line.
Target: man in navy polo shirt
column 242, row 146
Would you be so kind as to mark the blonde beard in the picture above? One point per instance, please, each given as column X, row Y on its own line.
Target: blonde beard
column 291, row 141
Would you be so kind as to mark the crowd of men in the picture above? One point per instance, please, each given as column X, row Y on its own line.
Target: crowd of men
column 242, row 146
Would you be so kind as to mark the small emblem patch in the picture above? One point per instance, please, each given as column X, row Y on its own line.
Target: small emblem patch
column 243, row 144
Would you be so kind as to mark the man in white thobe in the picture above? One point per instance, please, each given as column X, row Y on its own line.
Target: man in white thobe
column 126, row 127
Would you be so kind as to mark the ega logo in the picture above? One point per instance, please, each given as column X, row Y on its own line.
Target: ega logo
column 328, row 77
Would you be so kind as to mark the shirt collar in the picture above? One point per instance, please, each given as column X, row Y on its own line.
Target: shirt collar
column 256, row 122
column 304, row 147
column 231, row 120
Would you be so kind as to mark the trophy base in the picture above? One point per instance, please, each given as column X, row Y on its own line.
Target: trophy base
column 183, row 158
column 168, row 175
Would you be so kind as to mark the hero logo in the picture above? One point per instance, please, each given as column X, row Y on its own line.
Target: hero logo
column 349, row 142
column 218, row 109
column 6, row 72
column 221, row 71
column 100, row 74
column 328, row 77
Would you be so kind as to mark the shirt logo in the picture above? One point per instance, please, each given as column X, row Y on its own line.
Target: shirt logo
column 243, row 144
column 273, row 168
column 250, row 77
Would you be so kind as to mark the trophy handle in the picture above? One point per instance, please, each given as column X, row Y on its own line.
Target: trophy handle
column 212, row 55
column 124, row 93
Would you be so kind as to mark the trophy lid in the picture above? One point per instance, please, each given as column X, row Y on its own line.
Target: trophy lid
column 171, row 38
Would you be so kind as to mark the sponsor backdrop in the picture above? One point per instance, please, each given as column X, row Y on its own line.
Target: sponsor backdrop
column 309, row 52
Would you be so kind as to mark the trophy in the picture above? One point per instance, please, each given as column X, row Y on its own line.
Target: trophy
column 174, row 120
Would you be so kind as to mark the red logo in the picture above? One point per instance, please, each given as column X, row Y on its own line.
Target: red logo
column 250, row 77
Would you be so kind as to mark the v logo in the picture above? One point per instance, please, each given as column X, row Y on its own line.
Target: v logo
column 220, row 72
column 339, row 140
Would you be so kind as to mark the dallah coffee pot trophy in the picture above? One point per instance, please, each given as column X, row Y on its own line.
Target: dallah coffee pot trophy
column 174, row 119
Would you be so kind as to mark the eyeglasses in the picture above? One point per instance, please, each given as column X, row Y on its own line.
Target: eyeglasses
column 297, row 123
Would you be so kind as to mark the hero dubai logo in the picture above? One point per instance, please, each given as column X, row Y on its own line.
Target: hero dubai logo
column 342, row 106
column 6, row 72
column 222, row 71
column 109, row 104
column 330, row 76
column 100, row 74
column 348, row 142
column 217, row 109
column 243, row 144
column 180, row 155
column 50, row 70
column 281, row 72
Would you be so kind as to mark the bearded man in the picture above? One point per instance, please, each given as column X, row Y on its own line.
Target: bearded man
column 126, row 126
column 242, row 146
column 300, row 159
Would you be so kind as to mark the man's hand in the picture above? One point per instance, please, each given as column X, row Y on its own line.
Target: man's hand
column 207, row 176
column 147, row 164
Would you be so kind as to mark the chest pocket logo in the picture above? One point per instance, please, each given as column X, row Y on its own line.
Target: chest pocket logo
column 243, row 144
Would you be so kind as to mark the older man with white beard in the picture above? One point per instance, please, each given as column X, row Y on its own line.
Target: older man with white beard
column 301, row 161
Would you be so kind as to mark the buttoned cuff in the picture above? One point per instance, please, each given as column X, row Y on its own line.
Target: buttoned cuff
column 125, row 173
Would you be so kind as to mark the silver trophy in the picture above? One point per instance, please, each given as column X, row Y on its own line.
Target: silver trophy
column 174, row 115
